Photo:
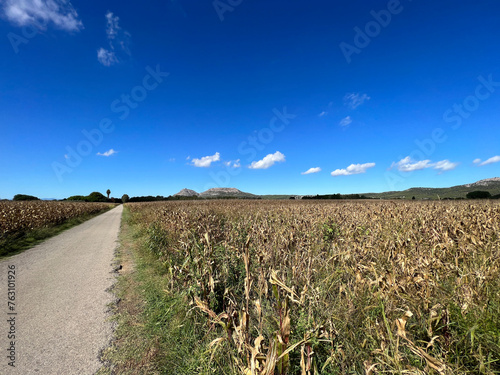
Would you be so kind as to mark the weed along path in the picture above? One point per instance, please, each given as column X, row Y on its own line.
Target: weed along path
column 54, row 301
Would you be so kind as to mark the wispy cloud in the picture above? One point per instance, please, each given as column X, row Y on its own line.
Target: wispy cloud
column 353, row 169
column 107, row 153
column 112, row 26
column 354, row 100
column 407, row 164
column 494, row 159
column 233, row 164
column 324, row 113
column 268, row 161
column 206, row 161
column 118, row 40
column 444, row 165
column 41, row 12
column 312, row 170
column 106, row 57
column 346, row 121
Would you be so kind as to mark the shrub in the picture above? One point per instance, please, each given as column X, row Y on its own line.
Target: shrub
column 24, row 197
column 478, row 194
column 96, row 197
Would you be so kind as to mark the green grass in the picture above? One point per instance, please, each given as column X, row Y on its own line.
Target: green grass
column 23, row 240
column 157, row 332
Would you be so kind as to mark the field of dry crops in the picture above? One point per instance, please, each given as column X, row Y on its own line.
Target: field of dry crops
column 23, row 216
column 294, row 287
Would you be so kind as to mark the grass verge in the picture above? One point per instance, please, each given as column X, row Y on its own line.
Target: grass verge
column 17, row 242
column 156, row 331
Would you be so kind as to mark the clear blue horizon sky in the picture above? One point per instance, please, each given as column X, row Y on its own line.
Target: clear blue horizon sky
column 268, row 97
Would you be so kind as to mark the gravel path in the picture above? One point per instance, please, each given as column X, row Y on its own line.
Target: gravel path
column 60, row 300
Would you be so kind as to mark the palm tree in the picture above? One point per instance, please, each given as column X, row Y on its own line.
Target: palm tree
column 108, row 192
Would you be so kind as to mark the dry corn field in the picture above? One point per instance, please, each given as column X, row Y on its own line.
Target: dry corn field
column 23, row 216
column 367, row 287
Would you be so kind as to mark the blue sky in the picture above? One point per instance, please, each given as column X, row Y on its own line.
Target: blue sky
column 150, row 97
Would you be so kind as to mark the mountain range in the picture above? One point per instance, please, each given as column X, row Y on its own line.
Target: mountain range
column 216, row 193
column 492, row 185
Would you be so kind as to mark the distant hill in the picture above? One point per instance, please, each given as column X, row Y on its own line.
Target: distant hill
column 491, row 185
column 186, row 193
column 226, row 193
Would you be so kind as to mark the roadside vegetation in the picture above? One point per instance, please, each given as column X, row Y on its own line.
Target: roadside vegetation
column 23, row 224
column 309, row 287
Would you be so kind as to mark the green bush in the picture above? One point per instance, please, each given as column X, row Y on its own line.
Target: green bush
column 478, row 194
column 77, row 198
column 24, row 197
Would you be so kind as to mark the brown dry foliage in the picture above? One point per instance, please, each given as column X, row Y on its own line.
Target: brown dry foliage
column 336, row 287
column 29, row 215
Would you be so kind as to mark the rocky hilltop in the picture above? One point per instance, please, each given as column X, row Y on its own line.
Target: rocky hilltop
column 226, row 193
column 186, row 193
column 215, row 193
column 485, row 182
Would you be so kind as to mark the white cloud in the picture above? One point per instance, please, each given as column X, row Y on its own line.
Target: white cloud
column 112, row 26
column 312, row 170
column 494, row 159
column 233, row 164
column 205, row 161
column 353, row 169
column 444, row 165
column 354, row 100
column 346, row 121
column 324, row 113
column 118, row 40
column 40, row 12
column 105, row 57
column 107, row 153
column 408, row 165
column 477, row 161
column 268, row 161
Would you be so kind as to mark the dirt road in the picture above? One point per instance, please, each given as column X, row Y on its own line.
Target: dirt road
column 58, row 310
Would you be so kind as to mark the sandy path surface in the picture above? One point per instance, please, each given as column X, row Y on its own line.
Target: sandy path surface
column 60, row 300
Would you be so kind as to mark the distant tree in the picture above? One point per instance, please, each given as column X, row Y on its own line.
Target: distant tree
column 108, row 192
column 24, row 197
column 478, row 194
column 77, row 198
column 413, row 198
column 125, row 198
column 96, row 197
